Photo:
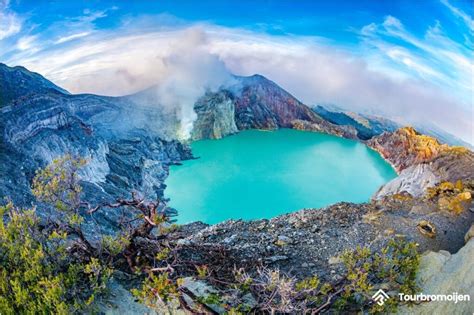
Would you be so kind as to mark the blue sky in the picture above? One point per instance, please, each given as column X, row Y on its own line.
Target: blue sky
column 408, row 60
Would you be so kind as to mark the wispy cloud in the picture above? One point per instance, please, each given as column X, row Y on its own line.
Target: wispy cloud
column 435, row 57
column 10, row 22
column 76, row 27
column 68, row 38
column 460, row 14
column 26, row 42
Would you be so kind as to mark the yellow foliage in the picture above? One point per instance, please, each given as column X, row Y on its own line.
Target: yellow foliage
column 452, row 197
column 456, row 203
column 402, row 197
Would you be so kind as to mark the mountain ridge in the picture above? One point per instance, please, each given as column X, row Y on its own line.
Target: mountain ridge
column 130, row 141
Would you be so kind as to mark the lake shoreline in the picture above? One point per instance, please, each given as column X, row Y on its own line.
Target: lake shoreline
column 321, row 177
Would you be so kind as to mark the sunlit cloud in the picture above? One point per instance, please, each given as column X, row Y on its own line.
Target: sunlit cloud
column 26, row 42
column 435, row 57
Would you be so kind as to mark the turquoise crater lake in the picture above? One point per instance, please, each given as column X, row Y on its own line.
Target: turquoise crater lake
column 261, row 174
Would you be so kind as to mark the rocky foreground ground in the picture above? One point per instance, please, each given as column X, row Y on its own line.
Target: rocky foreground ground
column 309, row 242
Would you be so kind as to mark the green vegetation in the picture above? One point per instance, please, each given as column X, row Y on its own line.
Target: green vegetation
column 52, row 266
column 393, row 268
column 37, row 274
column 158, row 292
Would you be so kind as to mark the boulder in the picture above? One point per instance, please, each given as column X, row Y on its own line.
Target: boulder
column 444, row 274
column 469, row 234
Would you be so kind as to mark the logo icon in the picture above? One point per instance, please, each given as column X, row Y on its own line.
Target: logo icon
column 380, row 297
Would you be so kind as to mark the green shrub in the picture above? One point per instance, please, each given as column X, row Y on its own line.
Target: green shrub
column 37, row 276
column 158, row 292
column 394, row 268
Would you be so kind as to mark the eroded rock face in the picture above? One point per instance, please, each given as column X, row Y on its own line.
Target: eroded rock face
column 413, row 180
column 421, row 161
column 262, row 104
column 256, row 102
column 125, row 151
column 18, row 82
column 406, row 147
column 342, row 131
column 216, row 116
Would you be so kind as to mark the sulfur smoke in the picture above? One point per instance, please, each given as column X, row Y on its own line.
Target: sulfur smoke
column 190, row 71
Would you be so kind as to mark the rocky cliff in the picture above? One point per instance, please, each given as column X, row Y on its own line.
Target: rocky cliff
column 129, row 141
column 256, row 102
column 18, row 82
column 363, row 126
column 125, row 151
column 421, row 161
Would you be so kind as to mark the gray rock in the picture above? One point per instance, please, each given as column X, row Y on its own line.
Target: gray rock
column 282, row 239
column 248, row 301
column 334, row 260
column 230, row 240
column 276, row 258
column 414, row 180
column 202, row 290
column 469, row 234
column 120, row 301
column 442, row 274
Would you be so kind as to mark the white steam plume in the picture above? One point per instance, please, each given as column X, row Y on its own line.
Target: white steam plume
column 190, row 71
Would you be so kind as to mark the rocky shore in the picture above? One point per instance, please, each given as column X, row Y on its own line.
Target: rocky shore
column 421, row 161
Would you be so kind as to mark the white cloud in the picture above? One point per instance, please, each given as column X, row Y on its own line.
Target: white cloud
column 68, row 38
column 384, row 78
column 90, row 16
column 10, row 23
column 26, row 42
column 391, row 21
column 460, row 14
column 435, row 57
